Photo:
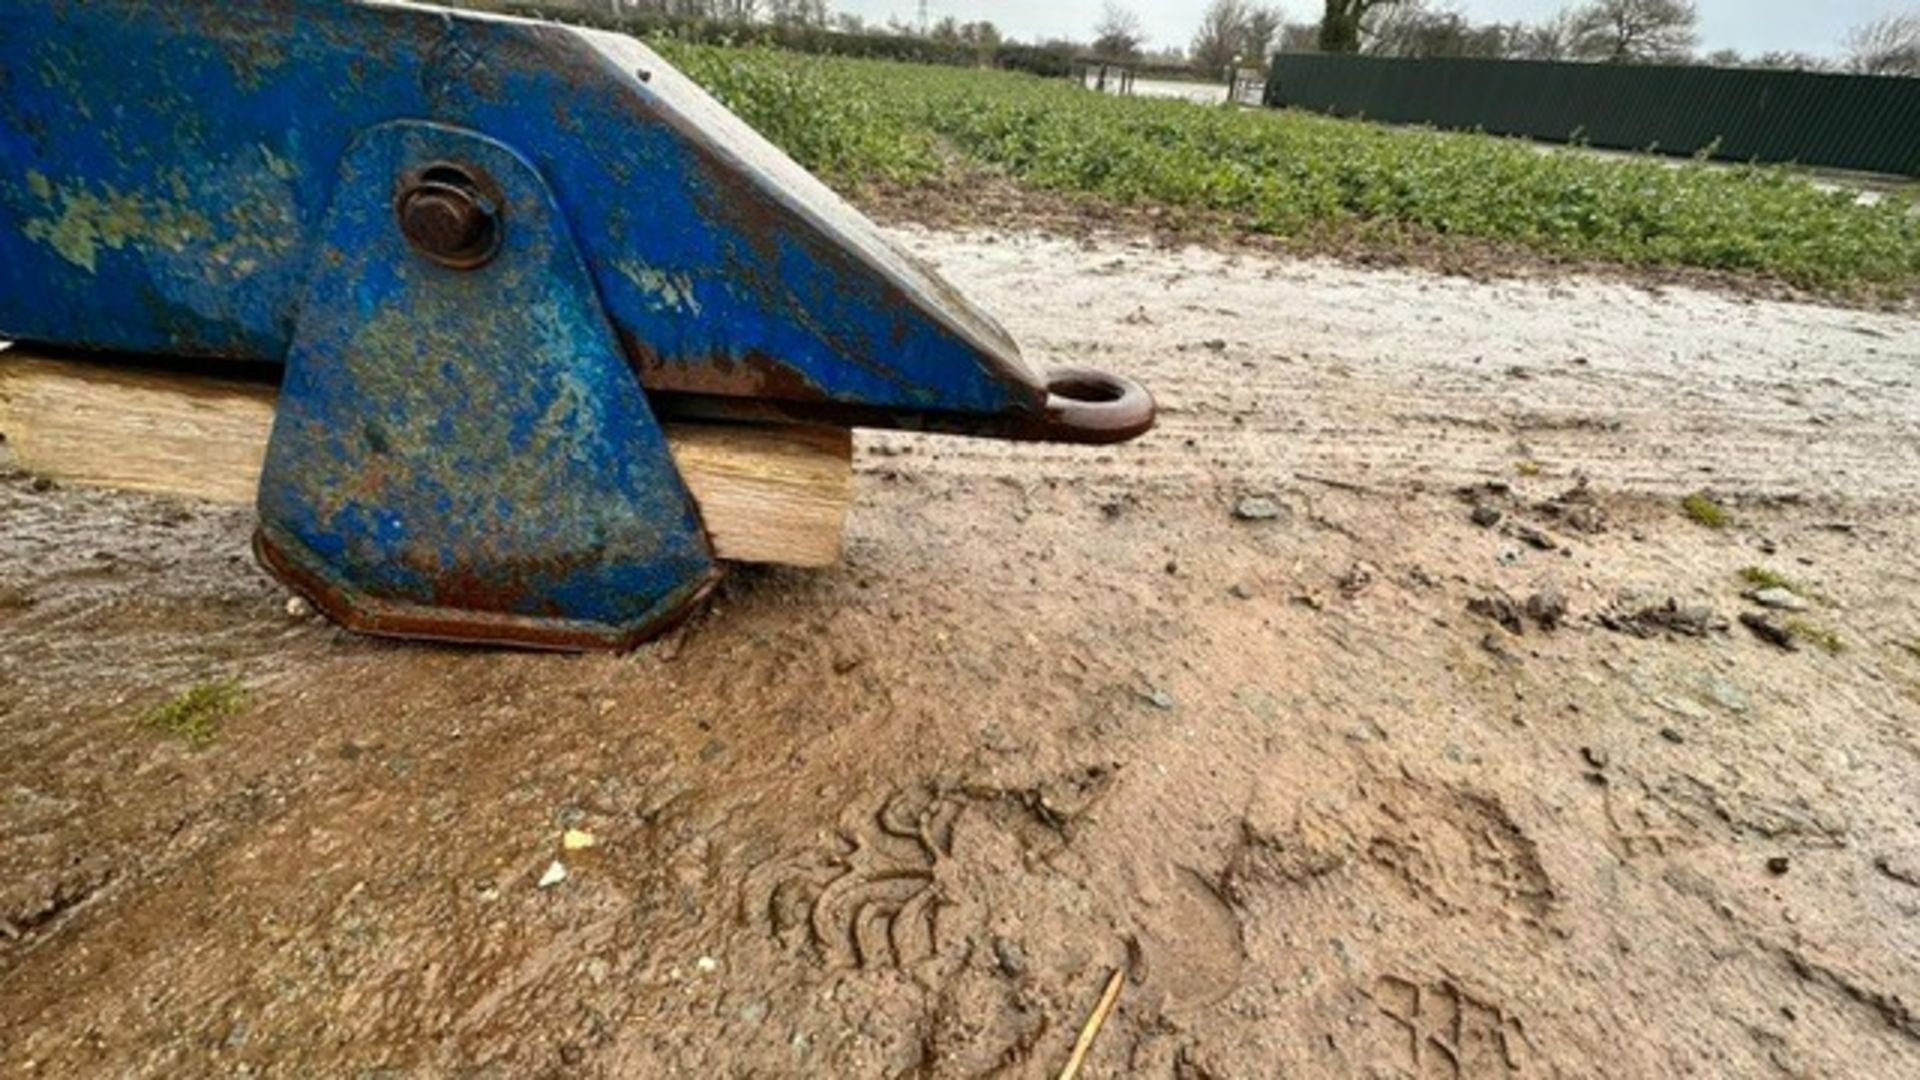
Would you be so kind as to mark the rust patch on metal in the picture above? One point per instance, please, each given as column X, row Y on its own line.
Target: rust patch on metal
column 452, row 626
column 722, row 374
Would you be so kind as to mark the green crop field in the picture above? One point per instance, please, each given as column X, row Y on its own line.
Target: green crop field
column 1314, row 179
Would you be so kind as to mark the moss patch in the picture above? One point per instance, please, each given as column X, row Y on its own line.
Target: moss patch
column 1762, row 578
column 195, row 716
column 1704, row 511
column 1817, row 636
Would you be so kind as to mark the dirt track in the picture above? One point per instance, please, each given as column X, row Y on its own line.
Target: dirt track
column 1063, row 711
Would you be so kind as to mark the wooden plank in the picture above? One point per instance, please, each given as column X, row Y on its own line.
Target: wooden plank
column 768, row 494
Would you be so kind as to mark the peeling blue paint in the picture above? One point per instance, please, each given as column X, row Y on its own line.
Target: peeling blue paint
column 461, row 453
column 187, row 153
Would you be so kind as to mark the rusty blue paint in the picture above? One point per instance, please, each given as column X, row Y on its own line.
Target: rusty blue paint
column 169, row 166
column 469, row 454
column 465, row 454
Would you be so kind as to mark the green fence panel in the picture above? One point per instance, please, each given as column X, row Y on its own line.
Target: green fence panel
column 1865, row 122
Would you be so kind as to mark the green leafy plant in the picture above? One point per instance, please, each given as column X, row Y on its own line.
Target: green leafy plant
column 1762, row 578
column 1704, row 511
column 1817, row 636
column 196, row 714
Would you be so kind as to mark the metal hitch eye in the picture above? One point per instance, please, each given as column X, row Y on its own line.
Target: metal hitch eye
column 1084, row 405
column 450, row 215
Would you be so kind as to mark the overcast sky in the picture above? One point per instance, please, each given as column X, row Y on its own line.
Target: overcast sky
column 1751, row 26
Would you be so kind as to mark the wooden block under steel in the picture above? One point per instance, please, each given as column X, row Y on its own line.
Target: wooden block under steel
column 768, row 494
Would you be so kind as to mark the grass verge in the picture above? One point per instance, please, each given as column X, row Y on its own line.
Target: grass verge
column 1289, row 174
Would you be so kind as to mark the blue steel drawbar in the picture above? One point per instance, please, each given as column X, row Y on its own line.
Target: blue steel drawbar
column 488, row 255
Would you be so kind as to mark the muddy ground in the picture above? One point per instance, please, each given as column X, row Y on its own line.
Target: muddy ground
column 1381, row 714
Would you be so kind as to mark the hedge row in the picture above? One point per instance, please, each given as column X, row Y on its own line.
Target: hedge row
column 1031, row 59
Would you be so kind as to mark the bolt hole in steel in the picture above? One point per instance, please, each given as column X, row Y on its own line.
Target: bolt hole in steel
column 450, row 214
column 1084, row 405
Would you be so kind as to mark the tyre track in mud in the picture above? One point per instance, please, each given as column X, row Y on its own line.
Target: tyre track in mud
column 1266, row 369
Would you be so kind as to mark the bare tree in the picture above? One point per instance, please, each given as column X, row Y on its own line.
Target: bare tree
column 1300, row 37
column 1411, row 28
column 1234, row 30
column 1264, row 22
column 1788, row 60
column 1628, row 31
column 1549, row 39
column 1340, row 27
column 1389, row 32
column 1886, row 46
column 1216, row 45
column 1117, row 36
column 798, row 12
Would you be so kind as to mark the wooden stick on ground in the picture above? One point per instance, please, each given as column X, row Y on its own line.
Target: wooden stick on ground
column 1084, row 1045
column 767, row 494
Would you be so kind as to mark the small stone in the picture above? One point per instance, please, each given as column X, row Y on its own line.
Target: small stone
column 706, row 965
column 1769, row 631
column 1672, row 735
column 1587, row 519
column 1356, row 580
column 1486, row 516
column 1012, row 960
column 1240, row 592
column 578, row 840
column 1259, row 508
column 298, row 608
column 1534, row 538
column 1725, row 694
column 1778, row 599
column 1646, row 620
column 555, row 874
column 1161, row 699
column 1683, row 708
column 1695, row 620
column 1548, row 607
column 1901, row 866
column 1499, row 609
column 1778, row 865
column 42, row 484
column 1594, row 757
